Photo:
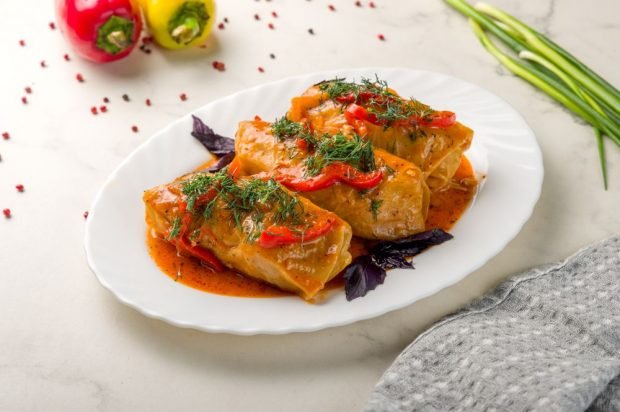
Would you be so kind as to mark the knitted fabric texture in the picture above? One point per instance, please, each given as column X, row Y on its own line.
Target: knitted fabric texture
column 545, row 340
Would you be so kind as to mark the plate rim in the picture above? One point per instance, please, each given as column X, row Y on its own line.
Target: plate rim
column 249, row 331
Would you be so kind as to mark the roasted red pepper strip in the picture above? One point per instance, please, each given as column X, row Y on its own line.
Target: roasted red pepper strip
column 282, row 235
column 205, row 255
column 355, row 113
column 184, row 245
column 100, row 30
column 440, row 120
column 351, row 98
column 330, row 175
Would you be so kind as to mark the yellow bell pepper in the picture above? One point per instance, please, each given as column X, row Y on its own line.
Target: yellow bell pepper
column 177, row 24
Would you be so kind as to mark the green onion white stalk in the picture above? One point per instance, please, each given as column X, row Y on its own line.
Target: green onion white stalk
column 550, row 68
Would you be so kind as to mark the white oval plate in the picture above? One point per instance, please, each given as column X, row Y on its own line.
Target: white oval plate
column 504, row 149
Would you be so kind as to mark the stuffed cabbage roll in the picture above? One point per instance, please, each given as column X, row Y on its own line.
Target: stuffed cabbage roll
column 254, row 226
column 380, row 195
column 433, row 140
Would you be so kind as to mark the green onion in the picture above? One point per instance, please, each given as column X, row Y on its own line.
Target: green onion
column 552, row 69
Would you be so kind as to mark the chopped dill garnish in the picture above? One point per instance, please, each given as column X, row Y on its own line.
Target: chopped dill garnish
column 339, row 148
column 338, row 87
column 284, row 128
column 378, row 99
column 249, row 198
column 174, row 229
column 375, row 204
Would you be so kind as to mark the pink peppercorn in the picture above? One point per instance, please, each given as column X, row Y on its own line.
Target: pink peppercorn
column 20, row 188
column 6, row 213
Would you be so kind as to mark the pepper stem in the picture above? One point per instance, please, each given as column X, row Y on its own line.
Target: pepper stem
column 187, row 31
column 115, row 35
column 119, row 39
column 188, row 22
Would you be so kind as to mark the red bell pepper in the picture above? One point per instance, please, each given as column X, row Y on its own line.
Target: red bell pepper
column 278, row 235
column 439, row 120
column 100, row 30
column 330, row 175
column 184, row 245
column 443, row 119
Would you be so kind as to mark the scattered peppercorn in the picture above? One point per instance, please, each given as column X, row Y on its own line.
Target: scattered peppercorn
column 103, row 109
column 331, row 7
column 20, row 188
column 7, row 213
column 219, row 66
column 52, row 25
column 148, row 102
column 85, row 215
column 271, row 55
column 28, row 89
column 79, row 77
column 24, row 100
column 106, row 100
column 6, row 135
column 311, row 31
column 226, row 20
column 260, row 69
column 183, row 97
column 93, row 110
column 221, row 26
column 134, row 129
column 22, row 43
column 358, row 3
column 67, row 58
column 256, row 17
column 43, row 64
column 126, row 97
column 371, row 5
column 271, row 26
column 381, row 37
column 274, row 14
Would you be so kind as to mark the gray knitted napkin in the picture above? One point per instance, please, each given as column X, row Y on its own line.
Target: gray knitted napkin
column 545, row 340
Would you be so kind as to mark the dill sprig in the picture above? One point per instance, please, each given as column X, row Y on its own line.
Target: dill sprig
column 375, row 204
column 174, row 229
column 339, row 148
column 252, row 198
column 284, row 128
column 339, row 87
column 387, row 106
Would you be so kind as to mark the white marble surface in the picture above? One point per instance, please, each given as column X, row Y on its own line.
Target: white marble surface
column 67, row 344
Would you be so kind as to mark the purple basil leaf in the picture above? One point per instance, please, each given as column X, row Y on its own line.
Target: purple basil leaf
column 411, row 245
column 222, row 162
column 215, row 143
column 361, row 276
column 392, row 261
